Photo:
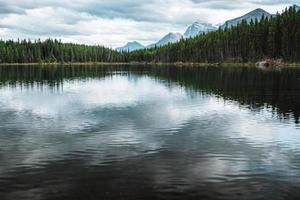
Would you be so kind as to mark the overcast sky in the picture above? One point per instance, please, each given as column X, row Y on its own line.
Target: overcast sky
column 114, row 22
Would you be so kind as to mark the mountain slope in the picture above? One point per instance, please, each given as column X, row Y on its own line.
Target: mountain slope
column 296, row 7
column 131, row 46
column 169, row 38
column 198, row 28
column 253, row 15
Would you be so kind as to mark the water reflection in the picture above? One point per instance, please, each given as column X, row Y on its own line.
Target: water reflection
column 257, row 89
column 148, row 133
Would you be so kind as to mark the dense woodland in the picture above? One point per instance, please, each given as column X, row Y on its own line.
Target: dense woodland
column 277, row 37
column 26, row 51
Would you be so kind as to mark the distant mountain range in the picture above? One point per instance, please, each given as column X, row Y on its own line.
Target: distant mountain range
column 169, row 38
column 131, row 46
column 198, row 28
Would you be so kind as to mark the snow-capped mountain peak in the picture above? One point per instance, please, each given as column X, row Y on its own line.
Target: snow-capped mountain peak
column 198, row 28
column 169, row 38
column 131, row 46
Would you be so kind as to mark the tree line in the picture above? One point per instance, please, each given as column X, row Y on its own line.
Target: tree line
column 275, row 37
column 26, row 51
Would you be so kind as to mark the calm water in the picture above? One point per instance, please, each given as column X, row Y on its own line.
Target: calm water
column 92, row 132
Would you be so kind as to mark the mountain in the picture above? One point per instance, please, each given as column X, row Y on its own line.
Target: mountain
column 297, row 8
column 131, row 46
column 253, row 15
column 169, row 38
column 198, row 28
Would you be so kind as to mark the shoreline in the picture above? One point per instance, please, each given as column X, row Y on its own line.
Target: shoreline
column 147, row 63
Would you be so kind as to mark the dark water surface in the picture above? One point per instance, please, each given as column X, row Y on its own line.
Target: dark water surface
column 92, row 132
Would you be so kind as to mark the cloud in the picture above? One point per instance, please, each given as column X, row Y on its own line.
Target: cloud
column 80, row 27
column 114, row 22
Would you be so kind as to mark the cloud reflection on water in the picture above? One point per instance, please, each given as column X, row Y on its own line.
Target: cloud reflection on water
column 119, row 118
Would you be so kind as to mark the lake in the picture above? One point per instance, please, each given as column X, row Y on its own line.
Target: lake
column 149, row 132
